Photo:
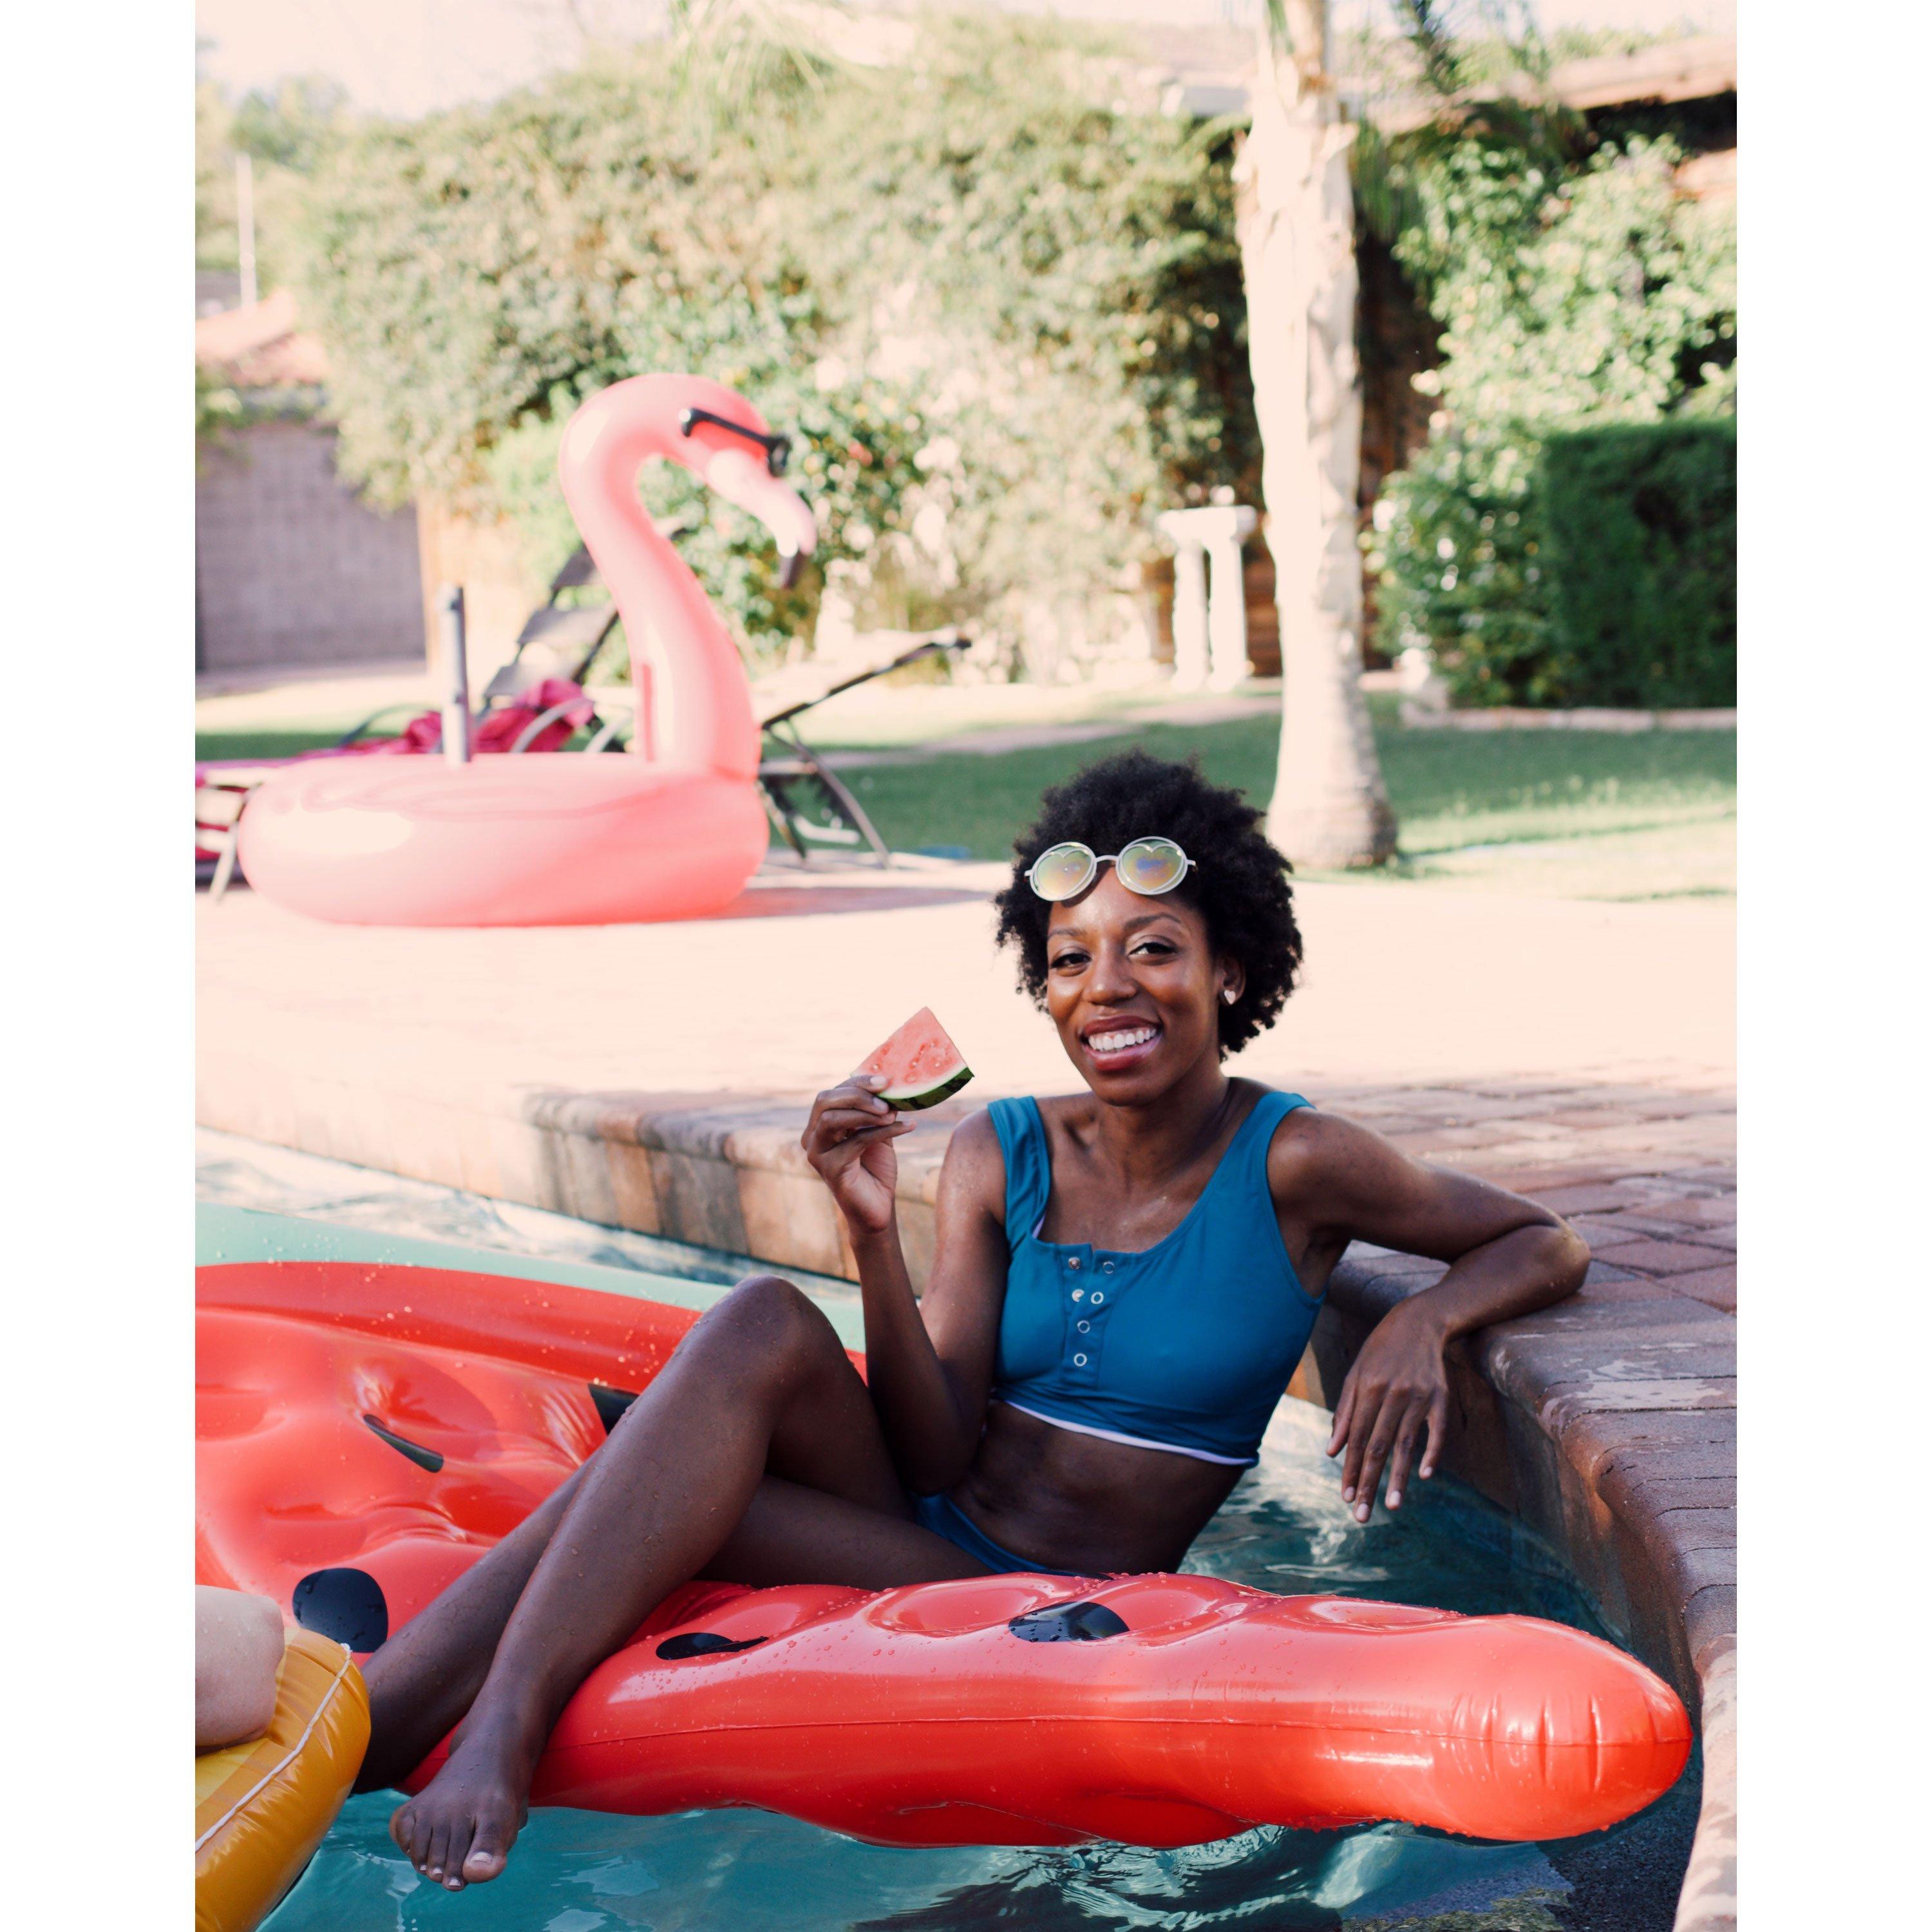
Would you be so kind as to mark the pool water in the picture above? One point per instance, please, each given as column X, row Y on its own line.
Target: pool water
column 1284, row 1529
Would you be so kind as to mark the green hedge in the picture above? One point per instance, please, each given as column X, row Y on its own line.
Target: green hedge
column 1577, row 299
column 1642, row 520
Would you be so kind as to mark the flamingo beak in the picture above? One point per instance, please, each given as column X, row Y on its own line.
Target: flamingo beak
column 742, row 478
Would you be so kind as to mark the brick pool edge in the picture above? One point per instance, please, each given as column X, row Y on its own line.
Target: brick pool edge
column 1607, row 1424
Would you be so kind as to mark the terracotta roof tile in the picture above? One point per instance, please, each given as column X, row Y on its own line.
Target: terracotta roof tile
column 259, row 347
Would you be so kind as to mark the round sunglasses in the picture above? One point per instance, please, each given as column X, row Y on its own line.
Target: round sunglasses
column 1148, row 866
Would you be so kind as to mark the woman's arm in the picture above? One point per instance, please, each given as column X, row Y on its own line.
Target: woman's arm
column 929, row 1365
column 1507, row 1257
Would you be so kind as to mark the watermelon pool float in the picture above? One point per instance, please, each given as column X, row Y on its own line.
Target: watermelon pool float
column 372, row 1417
column 919, row 1064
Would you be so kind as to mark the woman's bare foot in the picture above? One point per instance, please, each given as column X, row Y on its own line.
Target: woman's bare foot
column 459, row 1829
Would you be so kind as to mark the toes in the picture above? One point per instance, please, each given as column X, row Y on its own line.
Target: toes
column 488, row 1853
column 412, row 1831
column 402, row 1828
column 433, row 1865
column 454, row 1851
column 490, row 1849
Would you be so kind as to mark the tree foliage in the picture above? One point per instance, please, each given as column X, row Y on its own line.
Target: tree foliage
column 285, row 131
column 214, row 232
column 1004, row 292
column 1062, row 274
column 1571, row 295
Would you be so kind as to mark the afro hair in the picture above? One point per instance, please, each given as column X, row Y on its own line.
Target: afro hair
column 1239, row 883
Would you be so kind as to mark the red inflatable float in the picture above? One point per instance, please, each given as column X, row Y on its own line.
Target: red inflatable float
column 366, row 1431
column 671, row 830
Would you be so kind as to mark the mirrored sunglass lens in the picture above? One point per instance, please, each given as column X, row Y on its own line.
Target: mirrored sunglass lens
column 1060, row 871
column 1152, row 865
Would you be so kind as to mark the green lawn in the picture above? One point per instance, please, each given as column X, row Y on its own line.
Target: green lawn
column 1588, row 814
column 258, row 726
column 251, row 744
column 1583, row 814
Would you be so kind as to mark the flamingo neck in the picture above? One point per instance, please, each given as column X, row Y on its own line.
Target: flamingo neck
column 695, row 703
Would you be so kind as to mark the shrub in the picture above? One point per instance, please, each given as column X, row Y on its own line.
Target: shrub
column 1458, row 539
column 1568, row 301
column 1055, row 282
column 1062, row 276
column 1642, row 537
column 464, row 269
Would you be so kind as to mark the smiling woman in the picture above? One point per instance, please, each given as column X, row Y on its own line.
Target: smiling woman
column 1152, row 978
column 1123, row 1281
column 1234, row 880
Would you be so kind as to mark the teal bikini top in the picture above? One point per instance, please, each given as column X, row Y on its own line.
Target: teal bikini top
column 1186, row 1346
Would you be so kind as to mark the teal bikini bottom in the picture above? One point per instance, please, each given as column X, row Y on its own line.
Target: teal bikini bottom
column 944, row 1517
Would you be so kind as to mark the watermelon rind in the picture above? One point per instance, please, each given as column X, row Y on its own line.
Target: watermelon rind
column 921, row 1039
column 911, row 1100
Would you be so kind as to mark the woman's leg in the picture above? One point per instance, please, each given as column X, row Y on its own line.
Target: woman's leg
column 754, row 1455
column 422, row 1681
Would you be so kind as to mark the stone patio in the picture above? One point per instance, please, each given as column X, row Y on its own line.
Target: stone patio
column 654, row 1078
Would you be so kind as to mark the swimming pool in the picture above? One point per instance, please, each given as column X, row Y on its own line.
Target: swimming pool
column 1285, row 1528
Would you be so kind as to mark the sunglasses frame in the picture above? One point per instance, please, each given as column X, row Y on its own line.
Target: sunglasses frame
column 1095, row 860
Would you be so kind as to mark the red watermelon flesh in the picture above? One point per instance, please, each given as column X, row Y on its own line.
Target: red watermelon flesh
column 920, row 1065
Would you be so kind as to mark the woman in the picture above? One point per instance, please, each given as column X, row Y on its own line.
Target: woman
column 1124, row 1280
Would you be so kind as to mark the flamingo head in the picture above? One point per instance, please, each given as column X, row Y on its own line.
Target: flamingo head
column 729, row 444
column 711, row 431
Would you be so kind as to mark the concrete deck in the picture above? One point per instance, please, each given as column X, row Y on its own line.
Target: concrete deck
column 652, row 1078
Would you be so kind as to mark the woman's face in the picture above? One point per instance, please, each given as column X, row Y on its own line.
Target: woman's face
column 1133, row 987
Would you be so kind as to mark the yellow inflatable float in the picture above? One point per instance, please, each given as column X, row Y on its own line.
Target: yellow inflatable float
column 261, row 1807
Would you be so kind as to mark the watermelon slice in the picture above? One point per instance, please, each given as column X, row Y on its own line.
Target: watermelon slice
column 921, row 1066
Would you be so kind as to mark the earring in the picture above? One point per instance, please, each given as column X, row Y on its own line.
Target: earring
column 1227, row 994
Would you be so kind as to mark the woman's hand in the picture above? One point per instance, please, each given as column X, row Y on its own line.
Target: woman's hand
column 1397, row 1392
column 1334, row 1182
column 848, row 1139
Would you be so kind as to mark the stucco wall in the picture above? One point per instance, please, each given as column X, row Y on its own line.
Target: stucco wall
column 290, row 567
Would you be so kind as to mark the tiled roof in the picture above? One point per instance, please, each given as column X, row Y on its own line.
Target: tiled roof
column 1695, row 68
column 259, row 347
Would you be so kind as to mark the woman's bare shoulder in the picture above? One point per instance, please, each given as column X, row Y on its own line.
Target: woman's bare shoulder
column 972, row 1196
column 974, row 1137
column 1310, row 1144
column 974, row 1167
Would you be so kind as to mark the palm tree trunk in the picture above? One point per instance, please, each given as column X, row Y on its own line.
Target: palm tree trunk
column 1295, row 223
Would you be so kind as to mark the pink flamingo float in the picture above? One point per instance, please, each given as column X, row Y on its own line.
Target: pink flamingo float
column 671, row 830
